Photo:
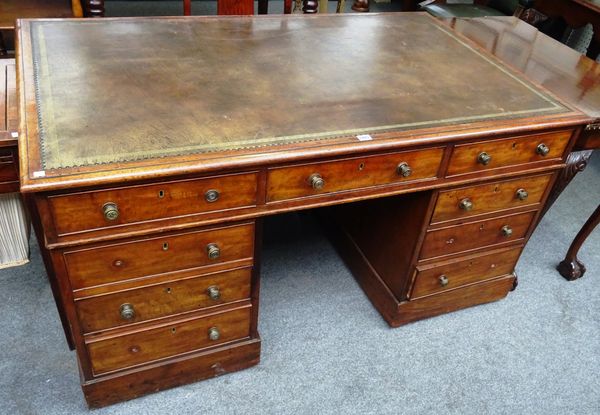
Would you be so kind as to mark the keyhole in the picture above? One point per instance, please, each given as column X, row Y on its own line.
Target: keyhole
column 168, row 290
column 161, row 194
column 496, row 189
column 361, row 166
column 482, row 227
column 166, row 246
column 514, row 145
column 173, row 330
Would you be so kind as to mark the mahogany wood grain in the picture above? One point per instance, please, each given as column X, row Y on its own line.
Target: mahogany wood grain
column 170, row 298
column 354, row 173
column 178, row 371
column 88, row 267
column 168, row 340
column 463, row 271
column 489, row 197
column 453, row 300
column 235, row 7
column 475, row 235
column 76, row 212
column 9, row 161
column 513, row 151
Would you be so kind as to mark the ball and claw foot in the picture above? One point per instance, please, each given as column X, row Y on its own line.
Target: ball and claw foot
column 571, row 270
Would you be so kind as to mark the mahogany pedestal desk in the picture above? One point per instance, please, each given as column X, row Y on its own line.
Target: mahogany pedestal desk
column 147, row 174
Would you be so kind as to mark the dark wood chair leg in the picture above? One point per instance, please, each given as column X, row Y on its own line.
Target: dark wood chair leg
column 263, row 7
column 571, row 268
column 94, row 8
column 2, row 46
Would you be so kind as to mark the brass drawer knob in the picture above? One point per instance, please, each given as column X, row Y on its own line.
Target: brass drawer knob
column 466, row 204
column 127, row 312
column 542, row 149
column 110, row 211
column 316, row 181
column 211, row 195
column 214, row 334
column 506, row 231
column 484, row 158
column 443, row 280
column 213, row 251
column 522, row 194
column 403, row 169
column 213, row 292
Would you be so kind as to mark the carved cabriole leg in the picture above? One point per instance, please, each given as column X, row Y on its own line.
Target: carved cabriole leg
column 94, row 8
column 310, row 6
column 576, row 162
column 571, row 268
column 361, row 6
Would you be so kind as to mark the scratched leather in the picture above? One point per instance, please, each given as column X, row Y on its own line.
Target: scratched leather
column 120, row 90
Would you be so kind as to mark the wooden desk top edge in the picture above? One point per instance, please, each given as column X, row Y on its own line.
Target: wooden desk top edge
column 232, row 159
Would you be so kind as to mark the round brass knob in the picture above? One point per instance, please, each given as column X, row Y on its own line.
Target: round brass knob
column 484, row 158
column 443, row 280
column 403, row 169
column 214, row 334
column 522, row 194
column 110, row 211
column 316, row 181
column 506, row 231
column 213, row 292
column 127, row 312
column 211, row 195
column 466, row 204
column 542, row 149
column 213, row 251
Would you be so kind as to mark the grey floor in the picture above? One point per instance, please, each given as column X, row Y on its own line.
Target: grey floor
column 327, row 351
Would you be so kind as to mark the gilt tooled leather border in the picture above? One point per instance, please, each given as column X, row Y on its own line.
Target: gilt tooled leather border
column 49, row 144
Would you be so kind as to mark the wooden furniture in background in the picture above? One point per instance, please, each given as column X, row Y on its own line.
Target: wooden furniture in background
column 476, row 8
column 11, row 10
column 134, row 205
column 564, row 71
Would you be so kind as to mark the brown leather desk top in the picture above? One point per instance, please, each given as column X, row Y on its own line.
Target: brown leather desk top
column 116, row 97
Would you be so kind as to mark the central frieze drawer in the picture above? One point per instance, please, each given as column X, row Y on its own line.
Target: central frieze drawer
column 157, row 255
column 168, row 340
column 491, row 197
column 77, row 212
column 160, row 300
column 492, row 154
column 352, row 173
column 454, row 239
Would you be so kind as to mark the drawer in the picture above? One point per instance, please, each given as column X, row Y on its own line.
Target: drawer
column 491, row 197
column 8, row 166
column 168, row 340
column 468, row 158
column 454, row 239
column 158, row 255
column 83, row 211
column 353, row 173
column 452, row 274
column 160, row 300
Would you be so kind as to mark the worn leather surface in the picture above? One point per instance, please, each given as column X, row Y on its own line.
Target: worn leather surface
column 128, row 89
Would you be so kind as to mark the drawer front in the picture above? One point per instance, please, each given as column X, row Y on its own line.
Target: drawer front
column 157, row 255
column 474, row 235
column 468, row 158
column 492, row 197
column 108, row 208
column 431, row 280
column 146, row 303
column 168, row 340
column 8, row 166
column 355, row 173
